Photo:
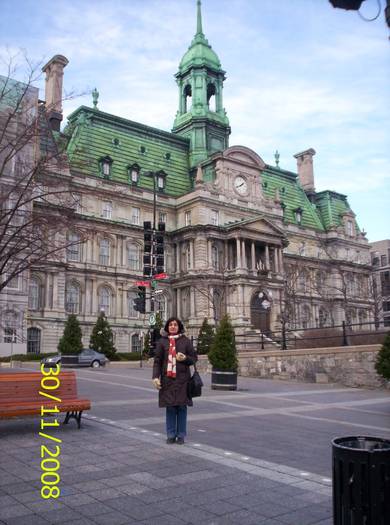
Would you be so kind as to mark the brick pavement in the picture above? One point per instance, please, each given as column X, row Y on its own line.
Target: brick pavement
column 113, row 473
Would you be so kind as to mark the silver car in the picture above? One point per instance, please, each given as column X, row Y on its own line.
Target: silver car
column 87, row 357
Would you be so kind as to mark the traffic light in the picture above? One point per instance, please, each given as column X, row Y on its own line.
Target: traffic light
column 148, row 244
column 139, row 302
column 154, row 336
column 159, row 249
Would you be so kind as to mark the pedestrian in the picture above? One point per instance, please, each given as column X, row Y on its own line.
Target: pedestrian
column 171, row 373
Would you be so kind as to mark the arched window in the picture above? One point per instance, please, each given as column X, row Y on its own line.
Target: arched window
column 133, row 173
column 34, row 294
column 131, row 295
column 187, row 93
column 161, row 306
column 185, row 300
column 72, row 298
column 135, row 343
column 323, row 317
column 133, row 256
column 305, row 316
column 73, row 250
column 215, row 257
column 105, row 300
column 211, row 91
column 104, row 252
column 33, row 341
column 217, row 305
column 303, row 280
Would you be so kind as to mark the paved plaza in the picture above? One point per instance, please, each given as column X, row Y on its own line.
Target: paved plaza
column 261, row 455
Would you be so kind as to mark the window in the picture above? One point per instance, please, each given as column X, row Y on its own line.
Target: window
column 10, row 327
column 33, row 341
column 135, row 343
column 135, row 216
column 187, row 218
column 215, row 257
column 161, row 306
column 107, row 210
column 214, row 217
column 77, row 203
column 72, row 298
column 73, row 250
column 10, row 335
column 375, row 261
column 305, row 316
column 133, row 257
column 105, row 166
column 104, row 300
column 323, row 317
column 133, row 173
column 161, row 180
column 350, row 228
column 188, row 257
column 14, row 283
column 162, row 217
column 386, row 306
column 34, row 294
column 383, row 260
column 130, row 304
column 298, row 215
column 104, row 252
column 186, row 303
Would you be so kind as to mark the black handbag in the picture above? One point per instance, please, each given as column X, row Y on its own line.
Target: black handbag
column 194, row 388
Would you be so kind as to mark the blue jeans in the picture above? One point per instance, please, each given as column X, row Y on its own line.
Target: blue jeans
column 176, row 421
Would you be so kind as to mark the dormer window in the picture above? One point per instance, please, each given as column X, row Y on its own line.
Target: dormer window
column 298, row 215
column 161, row 176
column 133, row 173
column 105, row 167
column 350, row 229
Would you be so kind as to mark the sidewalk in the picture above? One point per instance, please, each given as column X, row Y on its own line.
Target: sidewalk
column 113, row 473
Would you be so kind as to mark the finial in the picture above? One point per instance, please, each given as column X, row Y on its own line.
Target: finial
column 277, row 157
column 95, row 98
column 199, row 30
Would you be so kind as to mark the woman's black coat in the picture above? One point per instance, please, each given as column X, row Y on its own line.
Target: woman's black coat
column 173, row 391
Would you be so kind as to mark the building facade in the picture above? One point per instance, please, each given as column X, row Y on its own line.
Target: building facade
column 243, row 237
column 380, row 257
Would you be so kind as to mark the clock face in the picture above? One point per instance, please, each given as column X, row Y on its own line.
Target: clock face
column 240, row 185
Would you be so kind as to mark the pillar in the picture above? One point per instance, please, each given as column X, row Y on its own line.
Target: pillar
column 238, row 251
column 267, row 257
column 243, row 254
column 253, row 256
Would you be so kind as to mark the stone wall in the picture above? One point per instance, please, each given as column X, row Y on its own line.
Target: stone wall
column 351, row 366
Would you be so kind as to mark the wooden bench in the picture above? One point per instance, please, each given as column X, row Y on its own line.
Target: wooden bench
column 19, row 395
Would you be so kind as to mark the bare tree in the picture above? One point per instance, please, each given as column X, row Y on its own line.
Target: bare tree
column 37, row 201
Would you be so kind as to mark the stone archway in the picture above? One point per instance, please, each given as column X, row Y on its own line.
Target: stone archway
column 261, row 312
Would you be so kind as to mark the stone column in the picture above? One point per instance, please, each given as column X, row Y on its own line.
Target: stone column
column 55, row 304
column 192, row 254
column 93, row 296
column 177, row 257
column 253, row 256
column 226, row 255
column 242, row 300
column 276, row 260
column 238, row 251
column 281, row 260
column 192, row 302
column 47, row 298
column 124, row 312
column 209, row 254
column 243, row 254
column 178, row 303
column 267, row 257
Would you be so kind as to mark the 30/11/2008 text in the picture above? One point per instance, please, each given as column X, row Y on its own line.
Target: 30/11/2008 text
column 50, row 463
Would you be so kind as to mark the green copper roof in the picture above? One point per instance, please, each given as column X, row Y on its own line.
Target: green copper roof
column 290, row 193
column 332, row 206
column 200, row 53
column 94, row 135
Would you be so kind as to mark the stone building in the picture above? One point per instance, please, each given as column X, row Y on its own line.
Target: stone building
column 243, row 236
column 380, row 257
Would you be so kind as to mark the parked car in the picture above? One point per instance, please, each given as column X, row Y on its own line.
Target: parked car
column 86, row 357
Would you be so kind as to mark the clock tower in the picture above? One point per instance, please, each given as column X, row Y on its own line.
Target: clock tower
column 201, row 116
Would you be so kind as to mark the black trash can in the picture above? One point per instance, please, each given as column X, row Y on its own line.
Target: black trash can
column 361, row 481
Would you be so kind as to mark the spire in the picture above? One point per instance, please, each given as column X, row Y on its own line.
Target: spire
column 199, row 30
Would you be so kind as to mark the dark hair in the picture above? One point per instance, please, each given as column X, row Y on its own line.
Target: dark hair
column 181, row 326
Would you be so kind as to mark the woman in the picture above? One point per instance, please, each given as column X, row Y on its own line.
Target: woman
column 171, row 373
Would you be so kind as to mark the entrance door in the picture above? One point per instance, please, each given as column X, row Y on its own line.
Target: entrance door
column 261, row 313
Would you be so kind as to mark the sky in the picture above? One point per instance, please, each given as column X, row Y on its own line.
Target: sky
column 300, row 74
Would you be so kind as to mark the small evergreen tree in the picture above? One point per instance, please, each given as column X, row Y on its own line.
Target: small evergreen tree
column 382, row 364
column 205, row 338
column 70, row 342
column 102, row 338
column 223, row 352
column 146, row 344
column 159, row 321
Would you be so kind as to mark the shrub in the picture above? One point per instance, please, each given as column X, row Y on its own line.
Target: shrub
column 70, row 342
column 223, row 352
column 382, row 364
column 205, row 338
